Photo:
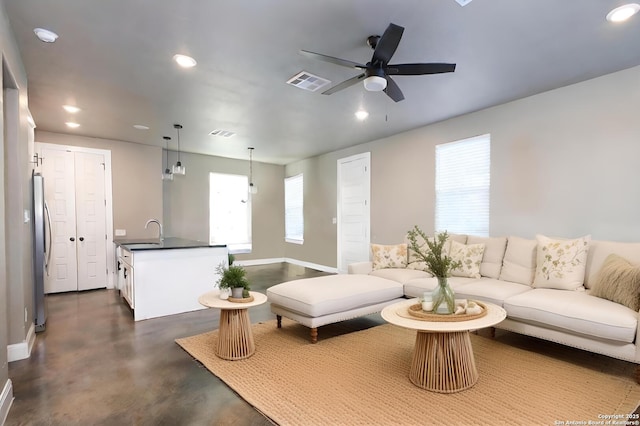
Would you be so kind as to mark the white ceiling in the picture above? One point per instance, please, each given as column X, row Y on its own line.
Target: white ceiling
column 113, row 60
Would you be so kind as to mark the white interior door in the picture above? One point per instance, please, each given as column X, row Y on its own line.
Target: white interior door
column 90, row 221
column 75, row 194
column 59, row 189
column 354, row 188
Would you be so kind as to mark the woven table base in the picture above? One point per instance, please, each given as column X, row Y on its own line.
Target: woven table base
column 236, row 338
column 443, row 362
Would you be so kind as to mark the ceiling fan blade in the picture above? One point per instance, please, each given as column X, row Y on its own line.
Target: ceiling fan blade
column 337, row 61
column 419, row 69
column 392, row 90
column 344, row 84
column 387, row 44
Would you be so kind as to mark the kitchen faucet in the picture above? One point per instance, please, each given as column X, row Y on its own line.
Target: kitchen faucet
column 159, row 226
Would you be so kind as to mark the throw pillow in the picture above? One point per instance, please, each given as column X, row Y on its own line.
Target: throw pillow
column 619, row 281
column 390, row 256
column 493, row 253
column 561, row 263
column 470, row 256
column 519, row 263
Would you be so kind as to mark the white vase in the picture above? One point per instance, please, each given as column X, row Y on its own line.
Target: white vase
column 224, row 293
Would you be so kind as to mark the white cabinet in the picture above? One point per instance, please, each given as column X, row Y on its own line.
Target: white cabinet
column 125, row 276
column 168, row 281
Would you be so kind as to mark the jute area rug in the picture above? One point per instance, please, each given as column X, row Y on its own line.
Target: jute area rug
column 361, row 378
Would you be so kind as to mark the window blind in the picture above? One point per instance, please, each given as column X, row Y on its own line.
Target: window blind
column 463, row 170
column 294, row 209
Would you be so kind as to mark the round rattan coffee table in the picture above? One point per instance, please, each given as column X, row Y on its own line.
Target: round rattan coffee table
column 443, row 356
column 235, row 338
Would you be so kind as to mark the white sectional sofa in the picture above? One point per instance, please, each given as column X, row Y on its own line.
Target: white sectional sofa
column 511, row 275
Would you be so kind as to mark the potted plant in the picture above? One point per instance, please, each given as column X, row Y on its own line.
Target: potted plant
column 438, row 263
column 234, row 278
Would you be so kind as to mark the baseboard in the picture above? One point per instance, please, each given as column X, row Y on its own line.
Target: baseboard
column 22, row 350
column 6, row 399
column 322, row 268
column 255, row 262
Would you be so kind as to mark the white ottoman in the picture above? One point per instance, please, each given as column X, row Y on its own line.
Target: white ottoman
column 314, row 302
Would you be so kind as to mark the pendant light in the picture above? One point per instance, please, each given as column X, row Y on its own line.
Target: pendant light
column 167, row 175
column 178, row 168
column 253, row 189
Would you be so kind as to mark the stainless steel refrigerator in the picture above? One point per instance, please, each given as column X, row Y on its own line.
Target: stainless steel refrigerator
column 42, row 249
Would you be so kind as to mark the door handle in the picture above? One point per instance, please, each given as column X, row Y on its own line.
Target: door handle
column 81, row 238
column 125, row 273
column 119, row 265
column 72, row 239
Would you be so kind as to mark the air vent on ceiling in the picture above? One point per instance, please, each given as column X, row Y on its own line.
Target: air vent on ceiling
column 308, row 81
column 222, row 133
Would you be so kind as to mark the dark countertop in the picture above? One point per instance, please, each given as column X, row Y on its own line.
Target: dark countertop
column 155, row 244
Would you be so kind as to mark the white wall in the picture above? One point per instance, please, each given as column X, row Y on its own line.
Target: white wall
column 563, row 163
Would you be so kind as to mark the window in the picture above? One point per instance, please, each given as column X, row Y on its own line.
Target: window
column 230, row 212
column 462, row 186
column 293, row 209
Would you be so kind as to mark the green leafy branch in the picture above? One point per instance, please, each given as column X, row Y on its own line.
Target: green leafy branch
column 438, row 263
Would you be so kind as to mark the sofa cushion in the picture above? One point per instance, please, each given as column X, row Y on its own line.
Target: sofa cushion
column 494, row 248
column 469, row 256
column 389, row 256
column 417, row 287
column 598, row 252
column 326, row 295
column 561, row 263
column 400, row 275
column 618, row 281
column 459, row 238
column 575, row 311
column 519, row 263
column 490, row 290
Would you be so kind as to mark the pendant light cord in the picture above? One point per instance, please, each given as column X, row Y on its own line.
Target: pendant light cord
column 250, row 166
column 178, row 127
column 166, row 153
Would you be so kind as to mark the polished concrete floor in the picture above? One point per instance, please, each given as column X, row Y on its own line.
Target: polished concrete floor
column 95, row 366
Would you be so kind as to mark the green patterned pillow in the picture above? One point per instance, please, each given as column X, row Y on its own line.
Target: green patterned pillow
column 561, row 263
column 392, row 256
column 470, row 256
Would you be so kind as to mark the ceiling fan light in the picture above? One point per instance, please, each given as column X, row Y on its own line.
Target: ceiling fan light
column 375, row 83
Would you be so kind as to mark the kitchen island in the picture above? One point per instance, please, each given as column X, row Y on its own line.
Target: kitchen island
column 159, row 278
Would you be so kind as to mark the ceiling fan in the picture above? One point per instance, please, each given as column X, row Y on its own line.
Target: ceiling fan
column 377, row 73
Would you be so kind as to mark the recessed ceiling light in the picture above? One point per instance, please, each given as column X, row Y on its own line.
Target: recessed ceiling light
column 141, row 127
column 622, row 13
column 72, row 124
column 184, row 61
column 70, row 108
column 362, row 114
column 45, row 35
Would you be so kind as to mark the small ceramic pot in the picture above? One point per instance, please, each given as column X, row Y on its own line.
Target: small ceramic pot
column 224, row 293
column 236, row 292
